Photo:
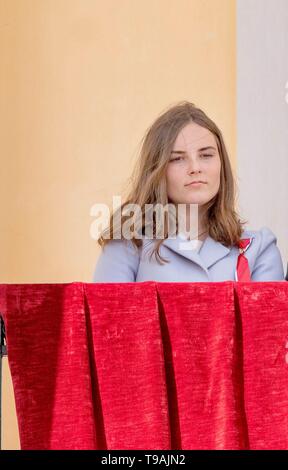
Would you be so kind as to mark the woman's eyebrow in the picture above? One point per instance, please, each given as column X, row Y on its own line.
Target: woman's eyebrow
column 199, row 150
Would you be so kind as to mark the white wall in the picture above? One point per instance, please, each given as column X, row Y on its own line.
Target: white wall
column 262, row 116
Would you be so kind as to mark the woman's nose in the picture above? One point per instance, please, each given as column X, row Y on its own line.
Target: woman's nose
column 194, row 166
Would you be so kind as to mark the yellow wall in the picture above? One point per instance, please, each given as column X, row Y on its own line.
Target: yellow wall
column 81, row 80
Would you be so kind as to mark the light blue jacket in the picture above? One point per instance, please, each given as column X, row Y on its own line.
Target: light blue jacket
column 120, row 261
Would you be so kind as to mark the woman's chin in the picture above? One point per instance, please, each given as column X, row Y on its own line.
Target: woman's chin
column 196, row 200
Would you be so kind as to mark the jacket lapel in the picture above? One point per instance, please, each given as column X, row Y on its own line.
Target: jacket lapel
column 210, row 251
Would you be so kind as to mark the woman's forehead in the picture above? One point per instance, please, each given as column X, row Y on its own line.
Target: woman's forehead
column 194, row 135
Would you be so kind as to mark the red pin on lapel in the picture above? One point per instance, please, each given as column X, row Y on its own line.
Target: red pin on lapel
column 242, row 273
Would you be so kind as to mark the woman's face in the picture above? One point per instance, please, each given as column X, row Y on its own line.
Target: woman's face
column 194, row 157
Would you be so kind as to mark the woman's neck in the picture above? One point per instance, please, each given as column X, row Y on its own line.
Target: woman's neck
column 202, row 230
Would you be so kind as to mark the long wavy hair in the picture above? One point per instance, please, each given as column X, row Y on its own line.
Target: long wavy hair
column 148, row 181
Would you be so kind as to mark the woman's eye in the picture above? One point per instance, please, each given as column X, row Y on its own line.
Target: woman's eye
column 176, row 159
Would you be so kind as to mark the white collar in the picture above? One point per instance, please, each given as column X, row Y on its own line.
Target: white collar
column 185, row 237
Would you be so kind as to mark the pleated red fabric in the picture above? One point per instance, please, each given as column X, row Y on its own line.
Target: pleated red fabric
column 149, row 365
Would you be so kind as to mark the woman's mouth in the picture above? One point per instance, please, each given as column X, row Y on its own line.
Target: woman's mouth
column 195, row 184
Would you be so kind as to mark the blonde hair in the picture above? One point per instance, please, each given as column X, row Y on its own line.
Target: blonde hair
column 149, row 178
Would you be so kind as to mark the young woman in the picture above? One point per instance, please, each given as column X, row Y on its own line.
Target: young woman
column 184, row 160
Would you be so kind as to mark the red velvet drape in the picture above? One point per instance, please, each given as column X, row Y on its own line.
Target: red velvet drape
column 149, row 365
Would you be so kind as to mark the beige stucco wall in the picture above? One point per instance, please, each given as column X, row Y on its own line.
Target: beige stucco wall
column 81, row 80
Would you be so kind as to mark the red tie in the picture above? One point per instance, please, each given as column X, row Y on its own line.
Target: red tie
column 242, row 270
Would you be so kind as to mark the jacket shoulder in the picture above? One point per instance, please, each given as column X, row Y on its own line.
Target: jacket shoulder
column 118, row 262
column 263, row 237
column 268, row 265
